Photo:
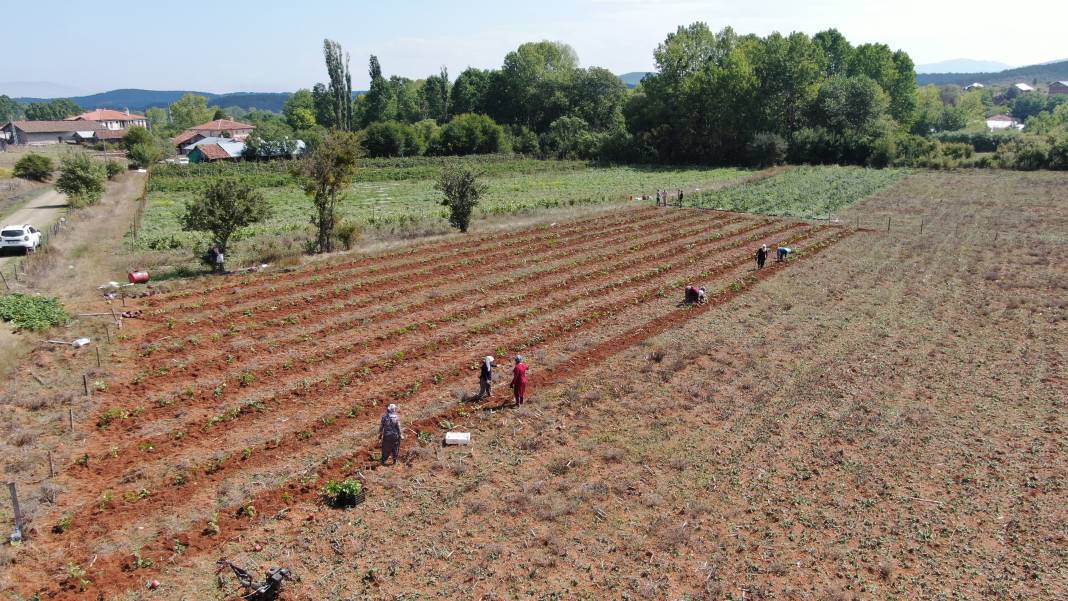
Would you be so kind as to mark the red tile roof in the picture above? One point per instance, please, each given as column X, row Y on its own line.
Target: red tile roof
column 41, row 127
column 213, row 152
column 184, row 137
column 221, row 125
column 106, row 115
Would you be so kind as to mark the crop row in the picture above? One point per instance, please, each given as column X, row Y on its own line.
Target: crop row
column 116, row 572
column 476, row 282
column 321, row 394
column 423, row 253
column 276, row 311
column 541, row 300
column 296, row 437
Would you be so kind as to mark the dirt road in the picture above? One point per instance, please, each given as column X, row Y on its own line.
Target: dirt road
column 41, row 212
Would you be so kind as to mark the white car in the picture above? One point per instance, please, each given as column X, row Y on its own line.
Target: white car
column 24, row 237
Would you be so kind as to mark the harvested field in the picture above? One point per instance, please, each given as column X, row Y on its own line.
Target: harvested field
column 882, row 417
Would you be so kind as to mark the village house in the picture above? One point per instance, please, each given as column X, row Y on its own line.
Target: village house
column 1022, row 87
column 113, row 120
column 219, row 128
column 37, row 133
column 1058, row 87
column 219, row 149
column 1000, row 122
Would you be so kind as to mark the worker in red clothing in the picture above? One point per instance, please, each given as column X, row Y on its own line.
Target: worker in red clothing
column 519, row 380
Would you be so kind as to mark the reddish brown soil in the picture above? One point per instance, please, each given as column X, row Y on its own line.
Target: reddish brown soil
column 811, row 432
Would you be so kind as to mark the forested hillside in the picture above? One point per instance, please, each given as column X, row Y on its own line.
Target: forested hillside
column 1031, row 74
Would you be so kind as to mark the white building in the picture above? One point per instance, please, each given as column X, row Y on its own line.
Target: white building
column 109, row 119
column 1000, row 122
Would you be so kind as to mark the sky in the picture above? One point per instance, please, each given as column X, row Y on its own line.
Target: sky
column 275, row 46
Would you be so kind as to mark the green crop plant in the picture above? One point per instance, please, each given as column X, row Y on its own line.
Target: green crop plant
column 342, row 493
column 32, row 312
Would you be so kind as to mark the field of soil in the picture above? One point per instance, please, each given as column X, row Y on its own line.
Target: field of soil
column 882, row 417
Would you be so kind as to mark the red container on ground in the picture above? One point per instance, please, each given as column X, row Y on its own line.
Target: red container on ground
column 137, row 277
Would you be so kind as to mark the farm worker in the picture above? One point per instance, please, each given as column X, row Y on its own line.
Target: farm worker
column 781, row 252
column 217, row 254
column 680, row 197
column 701, row 295
column 519, row 380
column 485, row 378
column 761, row 256
column 658, row 197
column 691, row 294
column 390, row 431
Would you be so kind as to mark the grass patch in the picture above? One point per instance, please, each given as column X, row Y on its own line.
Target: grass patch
column 805, row 192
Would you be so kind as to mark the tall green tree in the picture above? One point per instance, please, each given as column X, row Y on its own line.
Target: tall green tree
column 227, row 206
column 157, row 118
column 190, row 110
column 52, row 110
column 9, row 109
column 325, row 173
column 337, row 68
column 323, row 105
column 299, row 109
column 378, row 103
column 461, row 189
column 435, row 96
column 469, row 91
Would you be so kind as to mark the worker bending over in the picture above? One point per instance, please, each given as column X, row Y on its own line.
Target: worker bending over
column 782, row 252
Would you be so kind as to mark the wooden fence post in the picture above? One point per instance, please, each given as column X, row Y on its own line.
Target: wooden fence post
column 97, row 356
column 888, row 224
column 85, row 383
column 51, row 466
column 107, row 331
column 16, row 536
column 70, row 418
column 921, row 226
column 6, row 285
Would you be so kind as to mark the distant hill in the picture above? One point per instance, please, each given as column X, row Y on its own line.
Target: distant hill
column 962, row 65
column 140, row 100
column 633, row 78
column 1046, row 73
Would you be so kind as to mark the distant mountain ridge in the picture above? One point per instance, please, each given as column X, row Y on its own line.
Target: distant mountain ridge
column 1043, row 74
column 633, row 78
column 139, row 100
column 963, row 65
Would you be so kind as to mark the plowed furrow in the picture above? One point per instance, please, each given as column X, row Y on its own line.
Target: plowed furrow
column 642, row 287
column 112, row 575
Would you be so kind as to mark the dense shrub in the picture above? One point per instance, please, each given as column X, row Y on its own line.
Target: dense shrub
column 81, row 179
column 391, row 139
column 766, row 149
column 471, row 134
column 524, row 141
column 1026, row 153
column 1058, row 152
column 33, row 166
column 112, row 169
column 571, row 138
column 980, row 141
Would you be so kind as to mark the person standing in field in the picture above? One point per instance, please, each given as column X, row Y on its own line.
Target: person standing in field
column 389, row 429
column 680, row 197
column 519, row 380
column 485, row 378
column 761, row 256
